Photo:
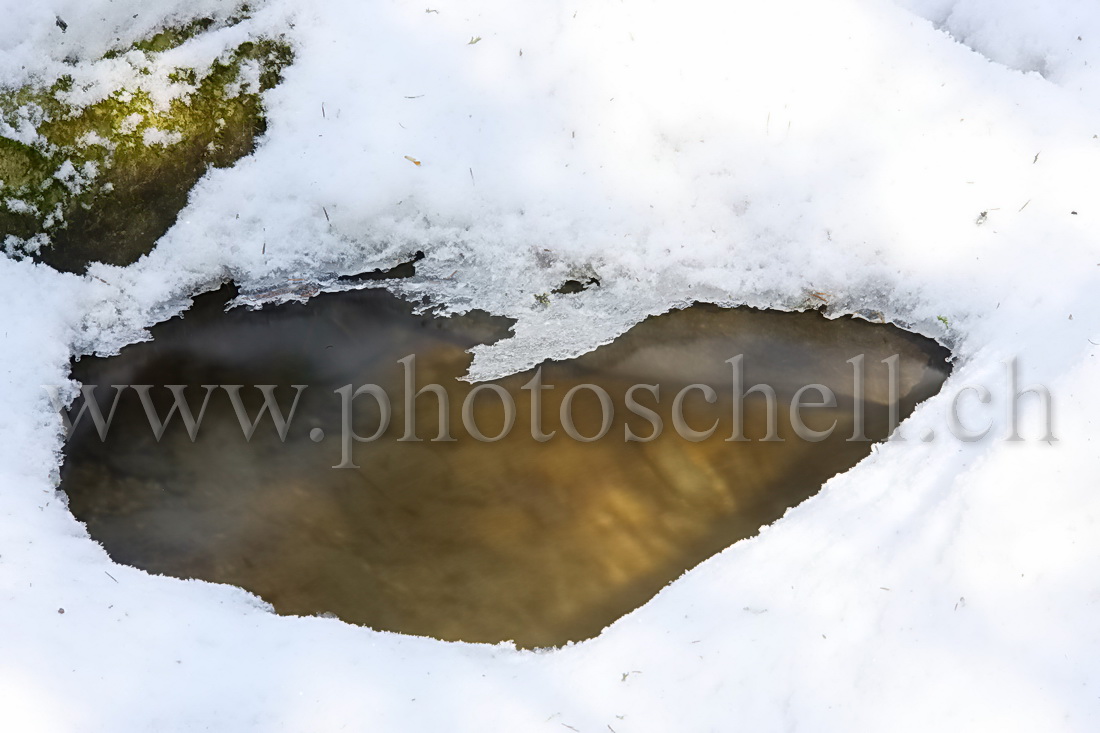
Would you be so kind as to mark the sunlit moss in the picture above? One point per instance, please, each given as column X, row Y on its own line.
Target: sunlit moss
column 104, row 181
column 170, row 38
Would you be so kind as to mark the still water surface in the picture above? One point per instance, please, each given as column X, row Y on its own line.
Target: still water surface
column 537, row 542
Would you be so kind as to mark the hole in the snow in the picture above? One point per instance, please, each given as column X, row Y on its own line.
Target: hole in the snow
column 400, row 271
column 572, row 287
column 538, row 542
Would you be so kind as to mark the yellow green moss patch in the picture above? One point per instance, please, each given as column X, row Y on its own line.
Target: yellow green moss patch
column 104, row 181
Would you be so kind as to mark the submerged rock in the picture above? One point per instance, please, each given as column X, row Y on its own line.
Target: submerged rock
column 91, row 172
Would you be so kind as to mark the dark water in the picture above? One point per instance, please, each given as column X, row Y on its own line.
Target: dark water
column 538, row 542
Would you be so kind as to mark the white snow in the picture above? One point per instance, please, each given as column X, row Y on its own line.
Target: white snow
column 155, row 136
column 914, row 160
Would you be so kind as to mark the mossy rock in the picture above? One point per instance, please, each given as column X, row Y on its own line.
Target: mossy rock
column 103, row 182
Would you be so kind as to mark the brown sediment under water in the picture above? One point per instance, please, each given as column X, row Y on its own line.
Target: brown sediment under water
column 540, row 542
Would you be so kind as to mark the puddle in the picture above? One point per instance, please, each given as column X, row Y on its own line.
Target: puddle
column 537, row 542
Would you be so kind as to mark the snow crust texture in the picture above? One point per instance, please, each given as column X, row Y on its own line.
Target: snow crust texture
column 929, row 163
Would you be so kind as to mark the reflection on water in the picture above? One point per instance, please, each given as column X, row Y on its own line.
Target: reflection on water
column 538, row 542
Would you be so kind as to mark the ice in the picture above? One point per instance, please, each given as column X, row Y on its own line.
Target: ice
column 780, row 154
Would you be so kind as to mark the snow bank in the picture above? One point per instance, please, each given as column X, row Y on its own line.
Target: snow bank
column 911, row 161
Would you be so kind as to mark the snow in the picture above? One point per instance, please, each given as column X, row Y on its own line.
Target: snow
column 739, row 153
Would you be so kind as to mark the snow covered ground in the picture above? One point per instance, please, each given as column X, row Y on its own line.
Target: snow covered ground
column 916, row 159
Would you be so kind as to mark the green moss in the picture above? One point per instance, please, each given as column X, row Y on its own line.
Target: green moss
column 103, row 182
column 21, row 166
column 170, row 38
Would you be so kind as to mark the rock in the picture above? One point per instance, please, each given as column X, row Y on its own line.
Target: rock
column 102, row 182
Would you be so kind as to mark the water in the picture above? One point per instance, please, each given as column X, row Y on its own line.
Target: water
column 537, row 542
